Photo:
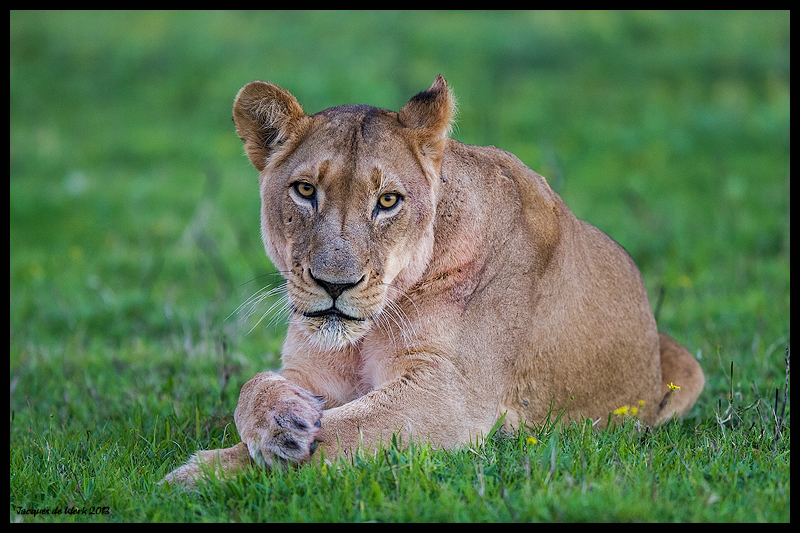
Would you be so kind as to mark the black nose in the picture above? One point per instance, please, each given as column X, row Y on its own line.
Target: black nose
column 334, row 289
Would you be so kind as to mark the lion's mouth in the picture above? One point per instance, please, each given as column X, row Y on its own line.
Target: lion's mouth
column 332, row 312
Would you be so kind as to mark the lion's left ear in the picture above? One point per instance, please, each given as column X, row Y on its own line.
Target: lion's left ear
column 430, row 113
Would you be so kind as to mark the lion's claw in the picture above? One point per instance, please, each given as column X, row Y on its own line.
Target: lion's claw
column 278, row 419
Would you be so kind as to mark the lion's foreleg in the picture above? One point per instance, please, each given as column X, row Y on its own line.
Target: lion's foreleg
column 220, row 463
column 426, row 406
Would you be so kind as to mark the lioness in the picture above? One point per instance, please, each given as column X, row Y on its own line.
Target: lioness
column 434, row 287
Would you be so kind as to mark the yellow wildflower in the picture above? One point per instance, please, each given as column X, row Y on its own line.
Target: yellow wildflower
column 672, row 386
column 641, row 403
column 634, row 410
column 622, row 410
column 531, row 440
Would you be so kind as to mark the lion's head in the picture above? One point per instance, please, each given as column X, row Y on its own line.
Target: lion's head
column 348, row 201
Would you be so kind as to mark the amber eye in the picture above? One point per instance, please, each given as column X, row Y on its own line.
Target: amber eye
column 304, row 189
column 388, row 200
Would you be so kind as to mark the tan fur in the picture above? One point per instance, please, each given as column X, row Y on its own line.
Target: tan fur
column 478, row 294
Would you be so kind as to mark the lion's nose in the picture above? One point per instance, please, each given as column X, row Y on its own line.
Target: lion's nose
column 334, row 289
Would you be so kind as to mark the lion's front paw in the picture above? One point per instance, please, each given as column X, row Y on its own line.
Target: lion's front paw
column 277, row 418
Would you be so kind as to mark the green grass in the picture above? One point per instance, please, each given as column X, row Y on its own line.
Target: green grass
column 134, row 236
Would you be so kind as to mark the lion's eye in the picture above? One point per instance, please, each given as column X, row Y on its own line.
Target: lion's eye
column 304, row 189
column 388, row 200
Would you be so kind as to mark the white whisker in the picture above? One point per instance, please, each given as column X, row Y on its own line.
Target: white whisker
column 393, row 317
column 283, row 312
column 259, row 296
column 404, row 295
column 249, row 307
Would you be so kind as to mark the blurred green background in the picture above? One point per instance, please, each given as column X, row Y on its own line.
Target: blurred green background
column 134, row 213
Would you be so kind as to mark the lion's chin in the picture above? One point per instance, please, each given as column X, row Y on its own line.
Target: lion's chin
column 333, row 331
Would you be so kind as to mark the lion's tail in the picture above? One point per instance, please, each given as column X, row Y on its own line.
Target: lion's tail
column 678, row 369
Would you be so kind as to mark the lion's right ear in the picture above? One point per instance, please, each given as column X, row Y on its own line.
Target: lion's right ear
column 265, row 116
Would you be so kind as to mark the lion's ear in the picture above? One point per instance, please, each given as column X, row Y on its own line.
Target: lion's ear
column 431, row 114
column 265, row 116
